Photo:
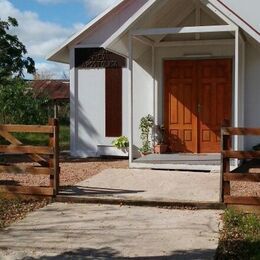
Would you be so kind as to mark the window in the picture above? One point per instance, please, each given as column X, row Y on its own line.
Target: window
column 113, row 102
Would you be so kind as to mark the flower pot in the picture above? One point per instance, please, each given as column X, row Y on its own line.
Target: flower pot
column 145, row 153
column 160, row 148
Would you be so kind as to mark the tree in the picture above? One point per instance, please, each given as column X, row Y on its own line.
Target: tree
column 19, row 104
column 12, row 51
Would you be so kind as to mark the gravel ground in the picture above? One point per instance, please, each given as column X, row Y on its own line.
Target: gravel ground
column 72, row 172
column 245, row 189
column 12, row 210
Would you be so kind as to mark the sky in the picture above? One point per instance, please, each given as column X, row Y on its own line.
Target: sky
column 46, row 24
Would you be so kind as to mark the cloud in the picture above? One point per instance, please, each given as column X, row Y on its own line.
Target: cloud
column 39, row 37
column 95, row 7
column 51, row 1
column 56, row 70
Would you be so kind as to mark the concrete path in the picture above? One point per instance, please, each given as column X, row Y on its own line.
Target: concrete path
column 80, row 231
column 150, row 185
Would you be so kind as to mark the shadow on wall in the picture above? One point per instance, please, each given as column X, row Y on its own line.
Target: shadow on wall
column 82, row 144
column 110, row 253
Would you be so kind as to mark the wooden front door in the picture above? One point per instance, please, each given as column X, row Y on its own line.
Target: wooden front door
column 197, row 102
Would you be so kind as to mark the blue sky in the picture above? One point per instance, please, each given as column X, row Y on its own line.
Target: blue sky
column 45, row 24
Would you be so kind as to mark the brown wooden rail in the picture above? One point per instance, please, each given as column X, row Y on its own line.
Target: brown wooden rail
column 227, row 175
column 46, row 157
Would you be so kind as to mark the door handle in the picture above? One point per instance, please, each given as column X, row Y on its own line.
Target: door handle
column 199, row 108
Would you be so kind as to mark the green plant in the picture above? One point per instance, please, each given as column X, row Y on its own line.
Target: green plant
column 12, row 51
column 146, row 125
column 121, row 142
column 19, row 105
column 240, row 237
column 247, row 225
column 160, row 134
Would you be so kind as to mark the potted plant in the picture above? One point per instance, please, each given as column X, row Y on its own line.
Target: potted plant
column 121, row 143
column 257, row 147
column 160, row 146
column 146, row 125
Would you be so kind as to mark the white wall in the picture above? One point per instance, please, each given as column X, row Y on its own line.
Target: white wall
column 88, row 116
column 247, row 10
column 91, row 109
column 252, row 92
column 88, row 130
column 142, row 95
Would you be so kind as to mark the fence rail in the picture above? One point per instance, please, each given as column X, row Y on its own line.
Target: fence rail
column 46, row 157
column 253, row 174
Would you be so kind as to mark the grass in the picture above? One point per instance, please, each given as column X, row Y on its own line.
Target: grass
column 64, row 137
column 240, row 238
column 42, row 139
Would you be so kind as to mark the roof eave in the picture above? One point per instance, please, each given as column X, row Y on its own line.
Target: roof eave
column 65, row 46
column 236, row 19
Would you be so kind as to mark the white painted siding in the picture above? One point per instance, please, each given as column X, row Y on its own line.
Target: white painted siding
column 142, row 97
column 247, row 10
column 91, row 109
column 252, row 92
column 89, row 115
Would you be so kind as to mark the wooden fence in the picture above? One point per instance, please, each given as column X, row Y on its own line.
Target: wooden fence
column 247, row 174
column 46, row 157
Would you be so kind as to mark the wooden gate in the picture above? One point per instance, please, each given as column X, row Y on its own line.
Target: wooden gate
column 45, row 158
column 248, row 172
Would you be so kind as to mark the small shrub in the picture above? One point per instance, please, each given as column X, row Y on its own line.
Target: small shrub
column 121, row 142
column 240, row 237
column 146, row 125
column 257, row 147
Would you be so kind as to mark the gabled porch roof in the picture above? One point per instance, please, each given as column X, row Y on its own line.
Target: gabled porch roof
column 132, row 16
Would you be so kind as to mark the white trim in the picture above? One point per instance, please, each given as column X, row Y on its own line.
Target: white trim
column 73, row 104
column 242, row 57
column 198, row 18
column 236, row 88
column 179, row 19
column 184, row 30
column 196, row 43
column 219, row 14
column 129, row 22
column 130, row 100
column 144, row 40
column 154, row 85
column 226, row 14
column 82, row 46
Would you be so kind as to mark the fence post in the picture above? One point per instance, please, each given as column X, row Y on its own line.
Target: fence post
column 56, row 156
column 54, row 159
column 225, row 164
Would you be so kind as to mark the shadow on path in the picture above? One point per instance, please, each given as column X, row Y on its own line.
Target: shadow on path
column 110, row 253
column 93, row 191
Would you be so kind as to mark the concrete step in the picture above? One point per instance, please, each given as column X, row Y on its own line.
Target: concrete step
column 141, row 202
